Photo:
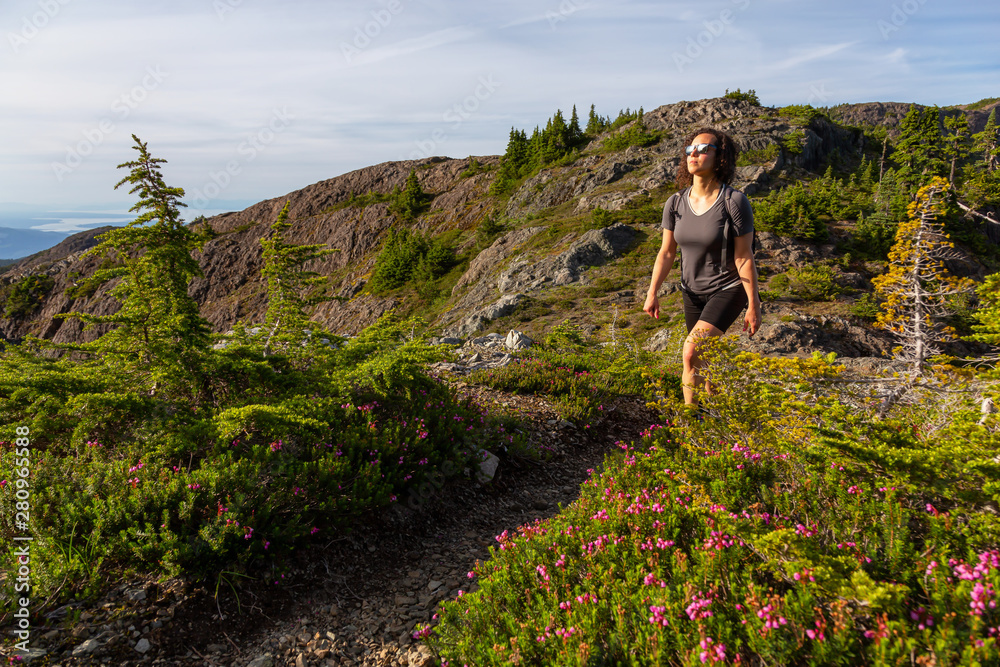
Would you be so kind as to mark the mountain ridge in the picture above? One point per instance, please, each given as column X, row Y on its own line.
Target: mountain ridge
column 232, row 290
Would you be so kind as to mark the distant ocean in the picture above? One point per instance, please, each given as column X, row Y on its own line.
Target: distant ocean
column 26, row 230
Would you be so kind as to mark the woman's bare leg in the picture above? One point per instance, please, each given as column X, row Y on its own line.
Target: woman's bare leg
column 693, row 362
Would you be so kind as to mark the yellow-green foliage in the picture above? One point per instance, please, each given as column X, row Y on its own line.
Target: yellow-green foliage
column 988, row 313
column 915, row 291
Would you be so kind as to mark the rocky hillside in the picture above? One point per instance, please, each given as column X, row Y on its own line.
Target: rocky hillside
column 551, row 263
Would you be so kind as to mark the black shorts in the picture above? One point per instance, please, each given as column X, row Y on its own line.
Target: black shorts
column 719, row 309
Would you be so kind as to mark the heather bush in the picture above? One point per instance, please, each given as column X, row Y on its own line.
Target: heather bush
column 782, row 527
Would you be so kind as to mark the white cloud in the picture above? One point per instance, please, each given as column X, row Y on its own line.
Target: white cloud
column 810, row 54
column 414, row 45
column 896, row 57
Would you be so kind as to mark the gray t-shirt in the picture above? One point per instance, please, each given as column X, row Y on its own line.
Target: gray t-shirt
column 701, row 238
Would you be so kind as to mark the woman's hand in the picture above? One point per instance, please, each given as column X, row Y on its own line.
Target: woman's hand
column 652, row 305
column 751, row 322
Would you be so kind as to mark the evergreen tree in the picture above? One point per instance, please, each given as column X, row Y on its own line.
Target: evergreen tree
column 286, row 321
column 558, row 132
column 595, row 124
column 575, row 133
column 987, row 142
column 412, row 200
column 920, row 145
column 159, row 337
column 867, row 171
column 957, row 146
column 988, row 313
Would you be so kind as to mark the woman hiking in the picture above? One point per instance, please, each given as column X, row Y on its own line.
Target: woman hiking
column 712, row 223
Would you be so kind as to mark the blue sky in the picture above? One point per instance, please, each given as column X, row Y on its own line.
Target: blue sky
column 252, row 99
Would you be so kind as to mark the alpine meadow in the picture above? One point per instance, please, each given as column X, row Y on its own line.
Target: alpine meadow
column 214, row 401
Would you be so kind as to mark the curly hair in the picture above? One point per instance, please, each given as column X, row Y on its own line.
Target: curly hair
column 725, row 158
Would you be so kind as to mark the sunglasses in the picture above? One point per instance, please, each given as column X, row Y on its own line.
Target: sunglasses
column 698, row 148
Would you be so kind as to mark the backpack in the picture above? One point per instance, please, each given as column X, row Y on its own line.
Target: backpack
column 728, row 192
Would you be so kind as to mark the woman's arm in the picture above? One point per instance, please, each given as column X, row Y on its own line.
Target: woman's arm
column 661, row 268
column 748, row 276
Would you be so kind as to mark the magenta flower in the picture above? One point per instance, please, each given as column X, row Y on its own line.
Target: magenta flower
column 699, row 607
column 658, row 617
column 712, row 652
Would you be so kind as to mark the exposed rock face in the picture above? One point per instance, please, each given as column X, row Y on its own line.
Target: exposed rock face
column 889, row 114
column 489, row 259
column 805, row 335
column 782, row 252
column 504, row 306
column 592, row 249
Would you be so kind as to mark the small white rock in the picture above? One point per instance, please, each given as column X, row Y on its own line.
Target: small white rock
column 86, row 648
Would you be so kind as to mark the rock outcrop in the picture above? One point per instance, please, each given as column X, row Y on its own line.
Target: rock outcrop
column 592, row 249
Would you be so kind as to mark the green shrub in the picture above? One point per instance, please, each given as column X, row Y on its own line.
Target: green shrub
column 793, row 142
column 635, row 135
column 759, row 156
column 638, row 211
column 981, row 103
column 475, row 167
column 27, row 294
column 579, row 380
column 801, row 114
column 867, row 308
column 125, row 481
column 874, row 236
column 749, row 96
column 813, row 283
column 411, row 201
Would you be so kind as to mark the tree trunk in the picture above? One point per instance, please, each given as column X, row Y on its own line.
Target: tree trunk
column 881, row 162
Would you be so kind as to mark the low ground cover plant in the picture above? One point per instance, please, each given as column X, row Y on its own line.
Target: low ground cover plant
column 784, row 527
column 124, row 482
column 579, row 375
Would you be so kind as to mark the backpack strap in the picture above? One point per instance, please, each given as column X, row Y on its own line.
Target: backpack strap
column 726, row 194
column 731, row 223
column 672, row 203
